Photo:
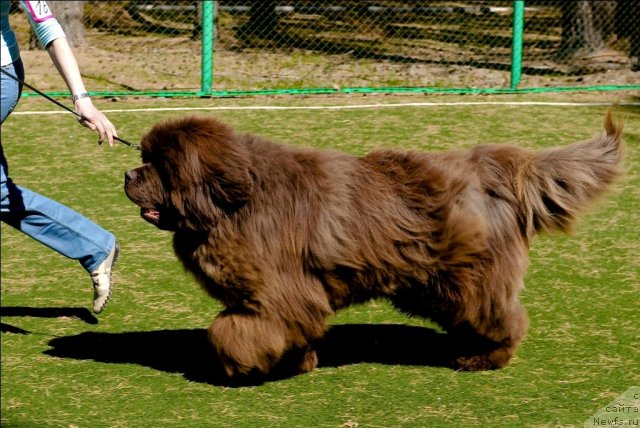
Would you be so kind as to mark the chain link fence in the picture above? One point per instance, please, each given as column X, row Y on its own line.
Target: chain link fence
column 307, row 45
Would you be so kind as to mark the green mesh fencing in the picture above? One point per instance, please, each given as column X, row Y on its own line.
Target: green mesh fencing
column 234, row 47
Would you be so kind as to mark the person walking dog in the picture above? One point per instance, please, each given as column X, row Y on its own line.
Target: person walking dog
column 47, row 221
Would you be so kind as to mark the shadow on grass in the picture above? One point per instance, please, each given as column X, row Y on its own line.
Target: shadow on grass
column 188, row 351
column 8, row 328
column 82, row 314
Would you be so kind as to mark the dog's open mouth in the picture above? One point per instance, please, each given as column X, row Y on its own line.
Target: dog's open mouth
column 151, row 215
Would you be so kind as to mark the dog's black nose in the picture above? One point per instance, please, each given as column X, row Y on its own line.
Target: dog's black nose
column 129, row 176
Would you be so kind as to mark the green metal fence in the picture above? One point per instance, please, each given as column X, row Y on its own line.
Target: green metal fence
column 235, row 48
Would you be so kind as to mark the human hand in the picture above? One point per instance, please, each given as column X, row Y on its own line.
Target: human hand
column 95, row 120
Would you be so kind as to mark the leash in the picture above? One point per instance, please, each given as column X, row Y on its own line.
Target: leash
column 59, row 104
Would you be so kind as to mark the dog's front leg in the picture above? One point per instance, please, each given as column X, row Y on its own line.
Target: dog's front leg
column 248, row 343
column 254, row 344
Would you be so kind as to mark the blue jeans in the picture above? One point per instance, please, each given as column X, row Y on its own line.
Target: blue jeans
column 43, row 219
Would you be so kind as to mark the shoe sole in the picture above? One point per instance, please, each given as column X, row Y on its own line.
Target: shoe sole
column 113, row 263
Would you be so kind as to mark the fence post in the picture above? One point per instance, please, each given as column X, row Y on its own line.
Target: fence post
column 516, row 43
column 207, row 48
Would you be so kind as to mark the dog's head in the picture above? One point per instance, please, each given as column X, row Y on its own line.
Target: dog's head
column 195, row 170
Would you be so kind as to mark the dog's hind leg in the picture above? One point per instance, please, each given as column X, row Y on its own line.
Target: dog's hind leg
column 488, row 341
column 489, row 321
column 486, row 321
column 484, row 324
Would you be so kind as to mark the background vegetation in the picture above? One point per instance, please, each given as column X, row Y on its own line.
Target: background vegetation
column 270, row 44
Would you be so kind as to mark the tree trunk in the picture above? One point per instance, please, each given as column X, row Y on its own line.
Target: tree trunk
column 586, row 24
column 70, row 15
column 628, row 25
column 197, row 21
column 263, row 20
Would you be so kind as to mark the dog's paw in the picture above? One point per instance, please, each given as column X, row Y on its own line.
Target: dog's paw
column 473, row 364
column 309, row 361
column 490, row 361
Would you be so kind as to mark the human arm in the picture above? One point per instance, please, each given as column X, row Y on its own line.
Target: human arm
column 66, row 64
column 52, row 37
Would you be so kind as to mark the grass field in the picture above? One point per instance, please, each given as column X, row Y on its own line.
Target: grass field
column 142, row 362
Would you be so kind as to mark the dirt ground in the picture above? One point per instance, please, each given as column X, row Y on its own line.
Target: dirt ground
column 155, row 69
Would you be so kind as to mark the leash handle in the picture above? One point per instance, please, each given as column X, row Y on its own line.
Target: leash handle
column 59, row 104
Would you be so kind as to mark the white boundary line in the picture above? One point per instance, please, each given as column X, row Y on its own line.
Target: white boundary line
column 347, row 107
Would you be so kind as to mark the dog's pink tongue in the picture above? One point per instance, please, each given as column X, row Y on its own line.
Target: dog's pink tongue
column 151, row 215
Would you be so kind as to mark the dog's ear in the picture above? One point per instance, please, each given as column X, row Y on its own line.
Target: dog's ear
column 201, row 150
column 224, row 164
column 228, row 177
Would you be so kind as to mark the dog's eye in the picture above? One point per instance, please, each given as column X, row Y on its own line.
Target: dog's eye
column 492, row 193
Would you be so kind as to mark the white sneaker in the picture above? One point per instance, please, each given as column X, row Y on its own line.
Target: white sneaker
column 101, row 279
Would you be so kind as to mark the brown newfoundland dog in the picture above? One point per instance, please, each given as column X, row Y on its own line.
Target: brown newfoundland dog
column 285, row 236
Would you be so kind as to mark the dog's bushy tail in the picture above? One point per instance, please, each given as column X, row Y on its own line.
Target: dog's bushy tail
column 556, row 184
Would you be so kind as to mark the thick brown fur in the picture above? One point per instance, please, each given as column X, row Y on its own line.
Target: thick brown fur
column 286, row 236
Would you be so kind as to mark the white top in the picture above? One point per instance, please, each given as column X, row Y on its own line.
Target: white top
column 41, row 18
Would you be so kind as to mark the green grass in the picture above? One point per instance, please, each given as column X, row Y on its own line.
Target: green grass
column 140, row 364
